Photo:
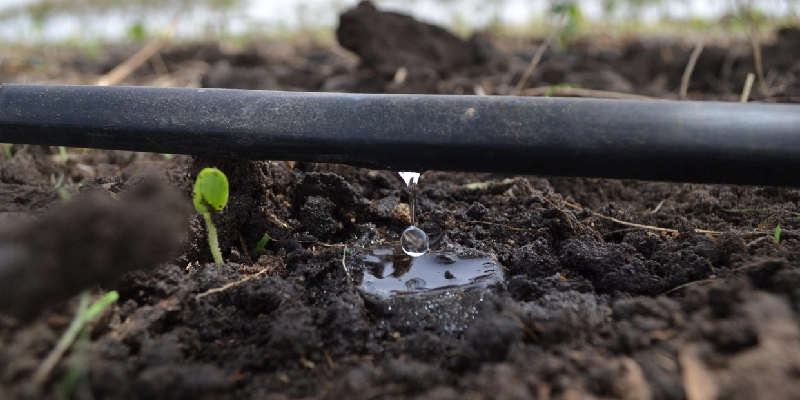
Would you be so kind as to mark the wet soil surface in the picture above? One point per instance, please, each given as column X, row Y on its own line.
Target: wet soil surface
column 612, row 290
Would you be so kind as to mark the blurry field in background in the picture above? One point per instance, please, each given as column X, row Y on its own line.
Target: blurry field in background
column 82, row 21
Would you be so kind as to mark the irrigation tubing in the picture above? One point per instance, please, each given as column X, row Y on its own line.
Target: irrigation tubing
column 704, row 142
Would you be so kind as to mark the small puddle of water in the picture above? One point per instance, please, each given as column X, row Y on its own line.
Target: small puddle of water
column 390, row 272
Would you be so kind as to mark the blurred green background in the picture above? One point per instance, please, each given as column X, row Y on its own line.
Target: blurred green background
column 135, row 20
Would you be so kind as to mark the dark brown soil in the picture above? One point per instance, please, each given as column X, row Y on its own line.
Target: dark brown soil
column 591, row 307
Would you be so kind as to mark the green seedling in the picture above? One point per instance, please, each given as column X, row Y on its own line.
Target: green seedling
column 553, row 89
column 62, row 191
column 78, row 328
column 210, row 197
column 63, row 194
column 572, row 16
column 74, row 379
column 62, row 151
column 777, row 235
column 137, row 32
column 62, row 157
column 263, row 242
column 7, row 150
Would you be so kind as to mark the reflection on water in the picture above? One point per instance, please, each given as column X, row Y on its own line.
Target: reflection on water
column 389, row 271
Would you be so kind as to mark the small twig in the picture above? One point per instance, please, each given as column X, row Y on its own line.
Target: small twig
column 244, row 249
column 122, row 71
column 648, row 227
column 232, row 284
column 659, row 229
column 757, row 241
column 618, row 231
column 400, row 76
column 743, row 9
column 277, row 220
column 762, row 83
column 707, row 280
column 679, row 287
column 748, row 85
column 658, row 207
column 687, row 73
column 580, row 92
column 314, row 243
column 537, row 58
column 344, row 264
column 635, row 225
column 513, row 228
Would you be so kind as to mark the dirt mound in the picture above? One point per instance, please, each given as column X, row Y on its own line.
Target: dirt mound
column 387, row 41
column 91, row 240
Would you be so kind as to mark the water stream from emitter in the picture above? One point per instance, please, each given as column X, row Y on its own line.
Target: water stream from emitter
column 414, row 240
column 412, row 269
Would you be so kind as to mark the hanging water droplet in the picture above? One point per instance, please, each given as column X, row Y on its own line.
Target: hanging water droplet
column 414, row 241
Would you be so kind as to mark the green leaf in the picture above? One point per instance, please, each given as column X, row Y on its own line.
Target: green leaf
column 263, row 242
column 777, row 235
column 100, row 304
column 210, row 191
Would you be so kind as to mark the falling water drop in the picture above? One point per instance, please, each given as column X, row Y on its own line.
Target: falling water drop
column 414, row 241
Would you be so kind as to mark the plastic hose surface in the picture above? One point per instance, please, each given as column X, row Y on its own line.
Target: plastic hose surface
column 708, row 142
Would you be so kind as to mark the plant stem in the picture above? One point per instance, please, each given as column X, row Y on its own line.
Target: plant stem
column 84, row 314
column 76, row 368
column 62, row 152
column 65, row 342
column 7, row 150
column 213, row 243
column 263, row 242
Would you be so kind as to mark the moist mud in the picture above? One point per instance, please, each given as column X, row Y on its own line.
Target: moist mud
column 389, row 272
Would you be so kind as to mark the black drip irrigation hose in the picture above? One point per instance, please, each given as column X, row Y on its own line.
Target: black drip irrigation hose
column 704, row 142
